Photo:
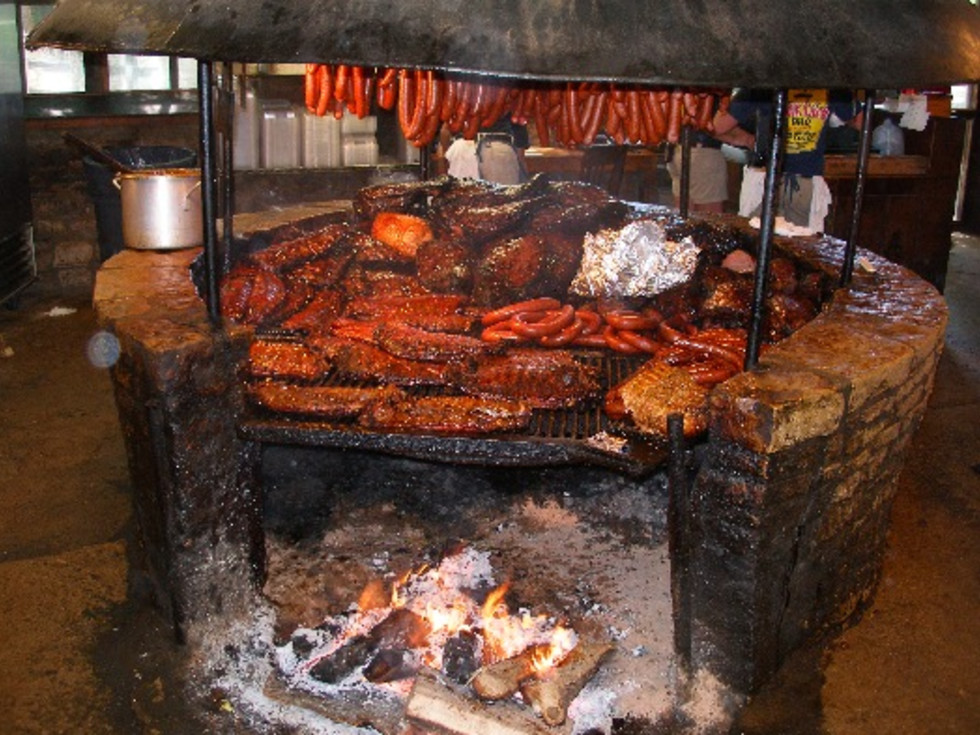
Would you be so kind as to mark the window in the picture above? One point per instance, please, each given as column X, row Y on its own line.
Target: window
column 50, row 70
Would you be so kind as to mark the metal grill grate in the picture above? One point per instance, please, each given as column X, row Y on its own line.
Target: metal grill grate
column 553, row 437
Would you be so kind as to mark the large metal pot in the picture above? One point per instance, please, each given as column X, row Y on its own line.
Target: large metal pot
column 161, row 209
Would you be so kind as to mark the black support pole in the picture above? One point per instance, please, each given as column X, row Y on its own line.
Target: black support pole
column 685, row 185
column 226, row 178
column 847, row 268
column 209, row 189
column 766, row 226
column 678, row 539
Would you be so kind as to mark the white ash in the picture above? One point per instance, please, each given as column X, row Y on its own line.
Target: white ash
column 638, row 260
column 577, row 556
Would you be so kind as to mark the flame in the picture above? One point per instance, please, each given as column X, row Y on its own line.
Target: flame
column 439, row 596
column 372, row 596
column 563, row 640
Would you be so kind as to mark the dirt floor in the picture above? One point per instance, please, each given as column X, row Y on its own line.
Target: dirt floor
column 81, row 651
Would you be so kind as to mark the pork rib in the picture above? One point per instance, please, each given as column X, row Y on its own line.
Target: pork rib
column 361, row 361
column 331, row 402
column 454, row 414
column 542, row 378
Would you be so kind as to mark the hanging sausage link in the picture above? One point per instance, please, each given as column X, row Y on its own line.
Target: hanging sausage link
column 569, row 114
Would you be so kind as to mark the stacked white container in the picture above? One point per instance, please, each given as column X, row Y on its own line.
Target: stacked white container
column 360, row 140
column 246, row 137
column 282, row 135
column 322, row 147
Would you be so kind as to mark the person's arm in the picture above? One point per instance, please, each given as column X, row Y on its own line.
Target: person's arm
column 727, row 130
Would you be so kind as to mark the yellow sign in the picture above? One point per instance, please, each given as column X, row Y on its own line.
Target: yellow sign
column 806, row 114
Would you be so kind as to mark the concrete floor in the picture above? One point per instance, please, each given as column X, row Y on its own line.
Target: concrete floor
column 80, row 654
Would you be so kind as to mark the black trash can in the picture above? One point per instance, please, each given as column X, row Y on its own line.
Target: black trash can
column 105, row 195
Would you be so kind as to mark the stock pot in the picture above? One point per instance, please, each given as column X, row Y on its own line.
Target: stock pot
column 161, row 208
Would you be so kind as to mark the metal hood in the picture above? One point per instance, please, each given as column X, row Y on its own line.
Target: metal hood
column 723, row 43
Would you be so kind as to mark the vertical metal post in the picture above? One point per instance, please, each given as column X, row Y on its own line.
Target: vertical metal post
column 425, row 163
column 226, row 179
column 208, row 189
column 767, row 221
column 685, row 186
column 678, row 539
column 847, row 268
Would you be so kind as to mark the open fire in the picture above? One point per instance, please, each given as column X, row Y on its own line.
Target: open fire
column 449, row 619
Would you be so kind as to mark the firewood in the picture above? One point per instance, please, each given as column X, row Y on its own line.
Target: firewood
column 400, row 629
column 552, row 692
column 434, row 705
column 502, row 679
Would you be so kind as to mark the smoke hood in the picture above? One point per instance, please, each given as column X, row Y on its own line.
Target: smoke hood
column 726, row 43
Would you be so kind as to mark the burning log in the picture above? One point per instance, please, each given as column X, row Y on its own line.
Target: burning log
column 502, row 679
column 434, row 704
column 400, row 630
column 552, row 692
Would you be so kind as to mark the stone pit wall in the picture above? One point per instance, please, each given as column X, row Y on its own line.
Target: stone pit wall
column 789, row 505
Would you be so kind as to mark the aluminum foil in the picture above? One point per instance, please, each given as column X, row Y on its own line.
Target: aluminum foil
column 637, row 260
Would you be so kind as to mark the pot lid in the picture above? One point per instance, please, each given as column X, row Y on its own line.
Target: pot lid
column 882, row 44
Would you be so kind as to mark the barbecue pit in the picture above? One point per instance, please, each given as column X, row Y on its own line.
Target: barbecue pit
column 782, row 535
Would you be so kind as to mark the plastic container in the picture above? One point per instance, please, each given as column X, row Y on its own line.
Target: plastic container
column 105, row 196
column 354, row 125
column 888, row 139
column 322, row 146
column 246, row 139
column 282, row 135
column 360, row 150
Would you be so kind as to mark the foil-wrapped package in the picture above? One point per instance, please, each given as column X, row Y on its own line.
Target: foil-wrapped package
column 637, row 260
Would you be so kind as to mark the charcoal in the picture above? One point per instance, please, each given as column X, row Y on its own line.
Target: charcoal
column 461, row 656
column 391, row 664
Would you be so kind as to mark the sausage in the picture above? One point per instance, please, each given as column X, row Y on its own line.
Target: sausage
column 471, row 125
column 496, row 102
column 596, row 340
column 615, row 342
column 406, row 90
column 500, row 332
column 418, row 109
column 594, row 117
column 340, row 83
column 709, row 373
column 672, row 336
column 357, row 85
column 574, row 121
column 552, row 322
column 564, row 336
column 386, row 96
column 433, row 109
column 637, row 340
column 541, row 120
column 631, row 320
column 591, row 322
column 531, row 305
column 649, row 131
column 311, row 87
column 326, row 90
column 690, row 106
column 705, row 111
column 657, row 115
column 450, row 90
column 632, row 117
column 388, row 78
column 674, row 115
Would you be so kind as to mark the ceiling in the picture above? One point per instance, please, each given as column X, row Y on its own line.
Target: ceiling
column 882, row 44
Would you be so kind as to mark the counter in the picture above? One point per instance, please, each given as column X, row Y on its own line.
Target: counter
column 909, row 201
